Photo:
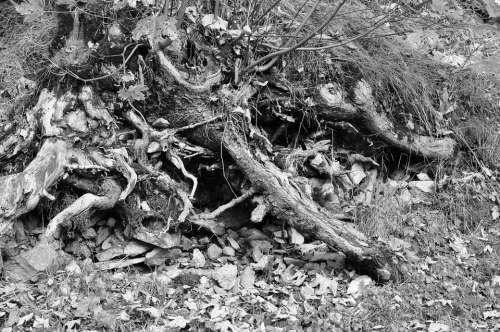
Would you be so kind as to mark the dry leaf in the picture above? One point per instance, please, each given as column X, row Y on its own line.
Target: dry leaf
column 226, row 276
column 358, row 285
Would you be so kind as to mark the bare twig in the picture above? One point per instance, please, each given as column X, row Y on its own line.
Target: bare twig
column 271, row 63
column 300, row 43
column 215, row 213
column 268, row 10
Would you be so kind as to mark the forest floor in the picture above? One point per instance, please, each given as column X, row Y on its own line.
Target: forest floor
column 266, row 277
column 269, row 284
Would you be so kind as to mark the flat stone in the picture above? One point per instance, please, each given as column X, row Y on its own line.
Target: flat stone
column 228, row 251
column 102, row 234
column 214, row 252
column 198, row 259
column 135, row 248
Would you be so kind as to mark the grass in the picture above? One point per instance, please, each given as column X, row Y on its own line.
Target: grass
column 24, row 50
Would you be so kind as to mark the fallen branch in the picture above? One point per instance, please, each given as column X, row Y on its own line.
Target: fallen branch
column 217, row 212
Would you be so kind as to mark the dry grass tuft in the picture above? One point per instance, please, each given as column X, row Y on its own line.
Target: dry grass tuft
column 24, row 48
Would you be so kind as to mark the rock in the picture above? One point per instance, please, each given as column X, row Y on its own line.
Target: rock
column 247, row 278
column 228, row 251
column 162, row 240
column 358, row 285
column 425, row 186
column 42, row 258
column 234, row 244
column 111, row 222
column 89, row 233
column 81, row 250
column 109, row 254
column 198, row 259
column 214, row 252
column 73, row 268
column 110, row 242
column 226, row 276
column 295, row 236
column 135, row 248
column 102, row 234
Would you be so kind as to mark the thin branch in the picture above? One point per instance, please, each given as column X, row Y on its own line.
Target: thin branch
column 271, row 63
column 300, row 43
column 235, row 201
column 325, row 47
column 266, row 12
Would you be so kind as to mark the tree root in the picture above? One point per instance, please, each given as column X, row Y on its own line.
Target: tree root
column 289, row 204
column 112, row 192
column 333, row 106
column 21, row 192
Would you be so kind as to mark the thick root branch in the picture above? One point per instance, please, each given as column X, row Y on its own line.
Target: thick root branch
column 112, row 192
column 334, row 107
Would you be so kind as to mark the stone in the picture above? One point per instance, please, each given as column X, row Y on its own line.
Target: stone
column 102, row 234
column 162, row 240
column 135, row 248
column 358, row 285
column 295, row 236
column 89, row 233
column 198, row 260
column 228, row 251
column 109, row 254
column 234, row 244
column 214, row 251
column 111, row 222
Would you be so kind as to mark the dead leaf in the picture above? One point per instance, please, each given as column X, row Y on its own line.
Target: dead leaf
column 438, row 327
column 133, row 92
column 214, row 23
column 25, row 319
column 177, row 322
column 226, row 276
column 247, row 278
column 358, row 285
column 152, row 312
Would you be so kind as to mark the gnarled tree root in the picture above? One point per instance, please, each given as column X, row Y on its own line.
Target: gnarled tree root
column 111, row 190
column 21, row 192
column 286, row 202
column 334, row 106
